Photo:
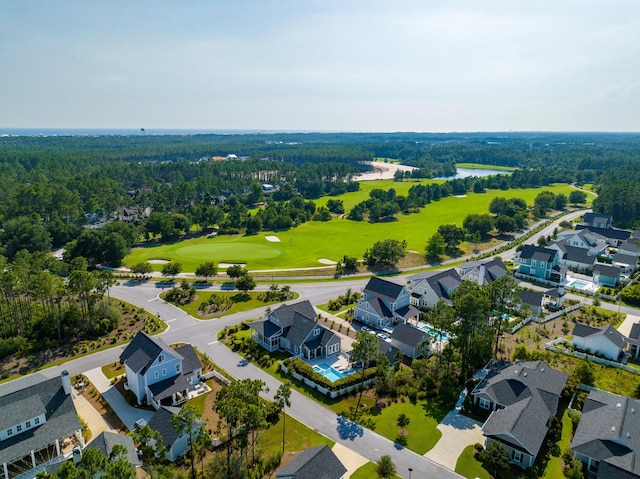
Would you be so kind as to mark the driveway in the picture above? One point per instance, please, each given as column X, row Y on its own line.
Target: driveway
column 127, row 413
column 458, row 432
column 627, row 324
column 352, row 461
column 88, row 413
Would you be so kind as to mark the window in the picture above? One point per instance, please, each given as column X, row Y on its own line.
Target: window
column 161, row 358
column 28, row 424
column 19, row 427
column 533, row 262
column 164, row 371
column 156, row 375
column 485, row 403
column 178, row 367
column 542, row 264
column 517, row 456
column 10, row 432
column 594, row 466
column 316, row 331
column 36, row 421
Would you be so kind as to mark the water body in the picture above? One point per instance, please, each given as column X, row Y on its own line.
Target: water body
column 125, row 132
column 467, row 172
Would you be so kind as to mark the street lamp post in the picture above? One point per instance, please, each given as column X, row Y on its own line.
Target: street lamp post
column 410, row 471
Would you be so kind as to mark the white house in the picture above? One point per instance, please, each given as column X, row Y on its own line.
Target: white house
column 384, row 304
column 594, row 243
column 430, row 287
column 162, row 375
column 606, row 340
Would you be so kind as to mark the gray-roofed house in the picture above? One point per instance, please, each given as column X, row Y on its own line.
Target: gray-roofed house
column 598, row 220
column 612, row 236
column 607, row 438
column 408, row 339
column 553, row 298
column 317, row 462
column 626, row 262
column 432, row 286
column 175, row 444
column 605, row 340
column 106, row 440
column 629, row 248
column 541, row 263
column 38, row 426
column 293, row 328
column 634, row 340
column 482, row 272
column 384, row 304
column 573, row 257
column 593, row 242
column 522, row 397
column 607, row 275
column 532, row 300
column 162, row 375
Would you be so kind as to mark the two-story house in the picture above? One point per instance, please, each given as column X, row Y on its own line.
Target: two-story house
column 574, row 258
column 598, row 220
column 541, row 263
column 613, row 236
column 158, row 373
column 522, row 397
column 293, row 328
column 432, row 286
column 482, row 272
column 38, row 424
column 384, row 304
column 606, row 275
column 594, row 243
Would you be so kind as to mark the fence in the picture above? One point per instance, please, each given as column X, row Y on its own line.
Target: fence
column 322, row 389
column 557, row 314
column 521, row 324
column 217, row 375
column 551, row 346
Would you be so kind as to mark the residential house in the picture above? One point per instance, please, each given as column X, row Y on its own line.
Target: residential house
column 482, row 272
column 134, row 214
column 523, row 397
column 105, row 441
column 391, row 352
column 606, row 340
column 384, row 304
column 540, row 263
column 293, row 328
column 39, row 424
column 430, row 287
column 532, row 300
column 630, row 249
column 613, row 236
column 627, row 263
column 597, row 220
column 606, row 275
column 607, row 438
column 175, row 444
column 634, row 340
column 553, row 298
column 162, row 375
column 594, row 243
column 317, row 462
column 574, row 258
column 409, row 339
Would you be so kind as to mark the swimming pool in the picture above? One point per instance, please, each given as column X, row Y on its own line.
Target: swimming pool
column 328, row 372
column 579, row 284
column 434, row 333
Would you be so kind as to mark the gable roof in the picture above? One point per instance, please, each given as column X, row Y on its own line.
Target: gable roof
column 590, row 218
column 575, row 253
column 608, row 332
column 532, row 298
column 529, row 393
column 629, row 248
column 623, row 258
column 161, row 422
column 440, row 282
column 489, row 271
column 190, row 360
column 314, row 463
column 105, row 441
column 610, row 233
column 609, row 431
column 387, row 349
column 606, row 270
column 60, row 413
column 142, row 351
column 409, row 335
column 530, row 251
column 285, row 313
column 383, row 289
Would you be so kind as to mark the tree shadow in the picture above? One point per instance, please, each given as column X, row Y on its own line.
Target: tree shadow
column 347, row 429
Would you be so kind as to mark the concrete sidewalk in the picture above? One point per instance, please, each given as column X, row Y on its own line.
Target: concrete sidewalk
column 127, row 413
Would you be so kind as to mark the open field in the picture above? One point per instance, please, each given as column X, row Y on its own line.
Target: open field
column 305, row 245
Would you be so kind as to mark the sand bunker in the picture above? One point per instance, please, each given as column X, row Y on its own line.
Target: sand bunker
column 273, row 239
column 460, row 196
column 158, row 261
column 326, row 261
column 228, row 265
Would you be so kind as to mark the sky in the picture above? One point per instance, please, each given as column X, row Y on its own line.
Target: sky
column 321, row 65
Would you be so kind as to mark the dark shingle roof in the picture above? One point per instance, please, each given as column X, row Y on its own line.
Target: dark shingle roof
column 161, row 422
column 105, row 441
column 629, row 247
column 383, row 289
column 143, row 350
column 532, row 298
column 190, row 361
column 611, row 233
column 299, row 329
column 61, row 418
column 608, row 331
column 285, row 313
column 578, row 255
column 408, row 312
column 314, row 463
column 606, row 270
column 535, row 252
column 635, row 331
column 265, row 328
column 624, row 259
column 406, row 334
column 609, row 431
column 589, row 218
column 387, row 349
column 169, row 386
column 441, row 282
column 379, row 307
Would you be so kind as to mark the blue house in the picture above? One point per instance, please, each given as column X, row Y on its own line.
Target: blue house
column 607, row 275
column 162, row 375
column 384, row 304
column 541, row 263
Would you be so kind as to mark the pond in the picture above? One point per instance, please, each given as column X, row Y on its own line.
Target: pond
column 467, row 172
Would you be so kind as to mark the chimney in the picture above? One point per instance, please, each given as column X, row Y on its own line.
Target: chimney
column 66, row 381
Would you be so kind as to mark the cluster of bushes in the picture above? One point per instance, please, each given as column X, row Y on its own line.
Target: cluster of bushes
column 215, row 304
column 184, row 294
column 631, row 294
column 276, row 294
column 11, row 346
column 343, row 300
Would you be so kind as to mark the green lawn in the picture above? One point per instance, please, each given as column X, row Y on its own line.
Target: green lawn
column 368, row 471
column 554, row 468
column 422, row 430
column 241, row 302
column 305, row 245
column 111, row 372
column 297, row 435
column 468, row 466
